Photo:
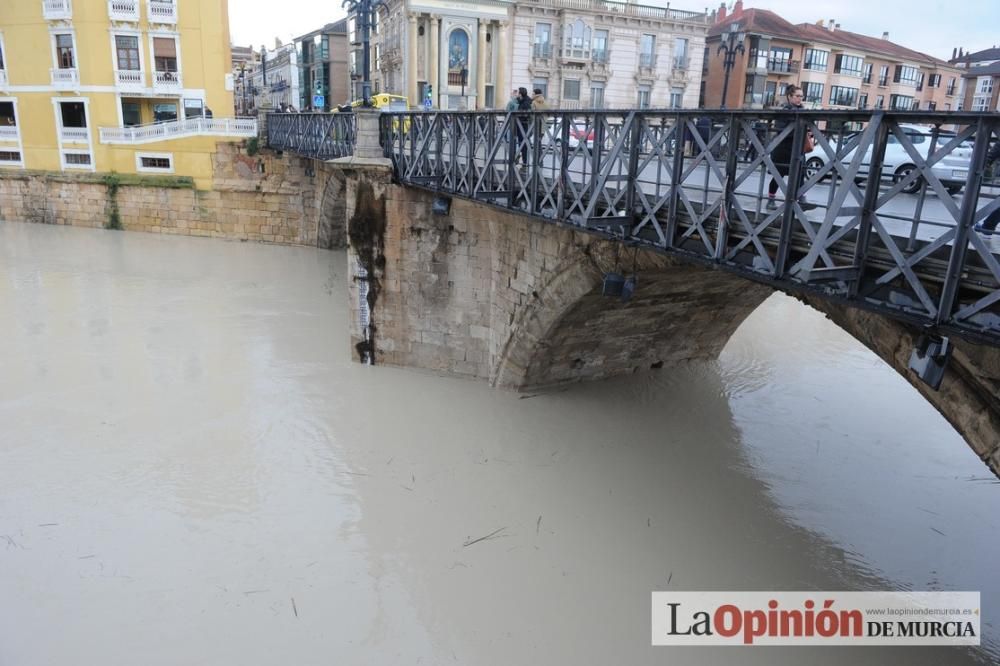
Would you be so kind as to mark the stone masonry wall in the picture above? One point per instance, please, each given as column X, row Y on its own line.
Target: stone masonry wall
column 263, row 197
column 487, row 294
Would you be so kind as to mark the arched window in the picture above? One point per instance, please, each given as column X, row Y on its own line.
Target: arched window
column 578, row 39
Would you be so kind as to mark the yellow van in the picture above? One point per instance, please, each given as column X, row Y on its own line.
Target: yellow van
column 387, row 102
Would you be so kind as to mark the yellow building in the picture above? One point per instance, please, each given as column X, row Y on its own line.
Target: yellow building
column 116, row 85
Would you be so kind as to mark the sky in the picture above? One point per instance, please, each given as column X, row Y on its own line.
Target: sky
column 934, row 27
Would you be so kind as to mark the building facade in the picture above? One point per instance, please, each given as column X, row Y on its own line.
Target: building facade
column 324, row 75
column 114, row 85
column 980, row 82
column 451, row 53
column 275, row 81
column 836, row 69
column 608, row 55
column 469, row 54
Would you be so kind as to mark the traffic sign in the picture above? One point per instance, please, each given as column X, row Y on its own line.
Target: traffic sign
column 319, row 101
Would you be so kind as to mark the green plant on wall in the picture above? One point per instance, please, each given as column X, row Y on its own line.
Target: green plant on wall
column 112, row 182
column 253, row 146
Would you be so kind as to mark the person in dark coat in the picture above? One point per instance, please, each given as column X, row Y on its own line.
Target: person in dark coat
column 782, row 155
column 523, row 104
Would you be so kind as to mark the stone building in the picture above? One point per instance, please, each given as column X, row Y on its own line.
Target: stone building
column 275, row 80
column 836, row 69
column 451, row 53
column 608, row 54
column 468, row 54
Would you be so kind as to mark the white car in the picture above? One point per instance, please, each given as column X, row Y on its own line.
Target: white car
column 952, row 170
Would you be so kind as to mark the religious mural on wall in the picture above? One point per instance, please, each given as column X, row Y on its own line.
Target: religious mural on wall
column 458, row 51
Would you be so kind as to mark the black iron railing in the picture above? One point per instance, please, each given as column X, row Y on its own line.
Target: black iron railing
column 319, row 135
column 880, row 214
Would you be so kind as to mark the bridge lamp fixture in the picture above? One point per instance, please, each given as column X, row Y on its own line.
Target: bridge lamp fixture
column 731, row 43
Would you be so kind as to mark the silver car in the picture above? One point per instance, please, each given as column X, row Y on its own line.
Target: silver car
column 952, row 170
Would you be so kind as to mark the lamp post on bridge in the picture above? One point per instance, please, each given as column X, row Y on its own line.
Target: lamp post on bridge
column 732, row 43
column 363, row 11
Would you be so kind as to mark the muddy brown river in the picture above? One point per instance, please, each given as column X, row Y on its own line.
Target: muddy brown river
column 193, row 471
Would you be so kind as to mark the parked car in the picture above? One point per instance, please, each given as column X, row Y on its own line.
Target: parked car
column 579, row 132
column 952, row 170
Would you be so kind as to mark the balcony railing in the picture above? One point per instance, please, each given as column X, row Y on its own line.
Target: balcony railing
column 601, row 56
column 782, row 66
column 8, row 133
column 647, row 60
column 130, row 79
column 543, row 50
column 166, row 82
column 55, row 10
column 65, row 78
column 81, row 134
column 681, row 62
column 176, row 129
column 162, row 11
column 3, row 77
column 123, row 10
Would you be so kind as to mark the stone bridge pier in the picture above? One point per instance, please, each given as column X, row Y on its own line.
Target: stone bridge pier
column 486, row 294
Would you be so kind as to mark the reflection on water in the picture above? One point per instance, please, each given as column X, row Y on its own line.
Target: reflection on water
column 188, row 452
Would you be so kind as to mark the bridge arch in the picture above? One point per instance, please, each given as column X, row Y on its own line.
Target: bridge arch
column 571, row 332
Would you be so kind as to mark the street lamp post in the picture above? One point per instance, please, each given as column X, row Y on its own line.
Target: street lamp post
column 731, row 44
column 364, row 10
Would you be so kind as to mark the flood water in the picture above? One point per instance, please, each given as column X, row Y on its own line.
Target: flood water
column 193, row 471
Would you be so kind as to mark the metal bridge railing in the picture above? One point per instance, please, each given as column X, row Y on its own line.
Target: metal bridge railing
column 879, row 214
column 321, row 136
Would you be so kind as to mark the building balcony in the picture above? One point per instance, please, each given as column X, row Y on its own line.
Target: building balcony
column 542, row 51
column 647, row 60
column 74, row 134
column 57, row 10
column 123, row 10
column 9, row 133
column 681, row 62
column 236, row 128
column 130, row 80
column 782, row 67
column 65, row 78
column 167, row 83
column 3, row 78
column 162, row 11
column 574, row 55
column 601, row 57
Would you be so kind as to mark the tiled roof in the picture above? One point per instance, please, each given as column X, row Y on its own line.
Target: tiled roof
column 988, row 54
column 985, row 70
column 768, row 23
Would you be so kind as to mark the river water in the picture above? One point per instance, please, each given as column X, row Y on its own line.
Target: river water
column 192, row 471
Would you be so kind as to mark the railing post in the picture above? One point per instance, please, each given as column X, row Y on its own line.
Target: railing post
column 676, row 176
column 956, row 263
column 872, row 192
column 729, row 193
column 638, row 123
column 791, row 197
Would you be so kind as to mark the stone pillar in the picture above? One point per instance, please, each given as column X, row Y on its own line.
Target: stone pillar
column 435, row 64
column 481, row 68
column 367, row 146
column 502, row 84
column 411, row 63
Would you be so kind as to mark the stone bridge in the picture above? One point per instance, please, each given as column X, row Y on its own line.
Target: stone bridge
column 469, row 289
